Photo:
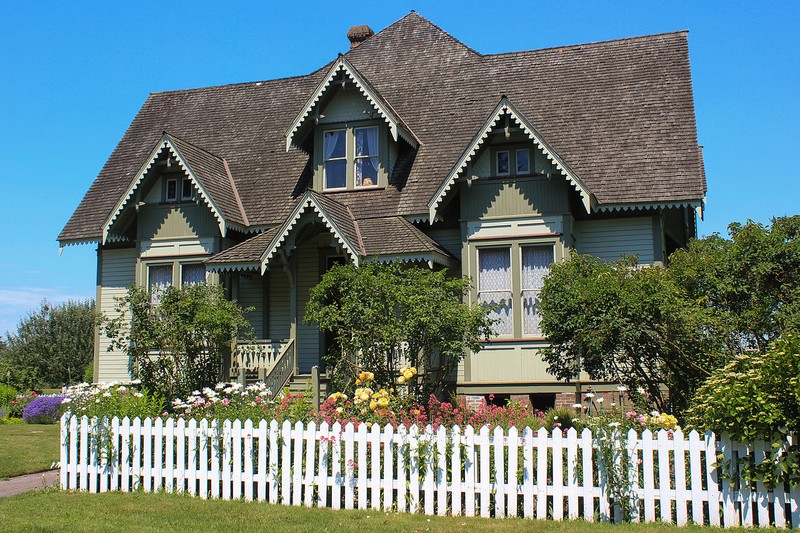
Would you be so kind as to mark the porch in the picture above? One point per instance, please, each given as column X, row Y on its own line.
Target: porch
column 275, row 363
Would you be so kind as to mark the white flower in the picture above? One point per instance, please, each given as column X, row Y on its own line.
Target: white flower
column 600, row 399
column 622, row 388
column 590, row 395
column 640, row 390
column 577, row 405
column 614, row 424
column 220, row 386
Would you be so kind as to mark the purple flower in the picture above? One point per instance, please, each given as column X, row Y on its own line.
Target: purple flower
column 43, row 410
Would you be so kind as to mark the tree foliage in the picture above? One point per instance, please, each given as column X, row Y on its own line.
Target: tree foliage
column 385, row 316
column 51, row 346
column 176, row 345
column 674, row 325
column 755, row 396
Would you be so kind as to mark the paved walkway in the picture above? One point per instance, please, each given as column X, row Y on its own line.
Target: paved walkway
column 20, row 484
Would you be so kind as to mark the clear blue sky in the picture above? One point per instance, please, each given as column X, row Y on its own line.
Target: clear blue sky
column 74, row 75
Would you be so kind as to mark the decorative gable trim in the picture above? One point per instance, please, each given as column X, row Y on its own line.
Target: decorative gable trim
column 396, row 125
column 697, row 205
column 309, row 201
column 506, row 108
column 165, row 143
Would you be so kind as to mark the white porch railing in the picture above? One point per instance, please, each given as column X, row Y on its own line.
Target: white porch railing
column 543, row 475
column 255, row 357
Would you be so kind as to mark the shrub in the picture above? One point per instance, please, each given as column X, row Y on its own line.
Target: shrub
column 17, row 405
column 563, row 417
column 7, row 393
column 112, row 399
column 43, row 410
column 757, row 396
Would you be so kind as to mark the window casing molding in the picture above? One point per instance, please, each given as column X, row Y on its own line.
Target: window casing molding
column 515, row 248
column 177, row 189
column 382, row 156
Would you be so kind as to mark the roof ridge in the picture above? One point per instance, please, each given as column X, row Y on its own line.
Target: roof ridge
column 589, row 43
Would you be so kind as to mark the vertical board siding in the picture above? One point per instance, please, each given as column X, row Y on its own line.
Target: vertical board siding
column 500, row 473
column 308, row 344
column 251, row 294
column 117, row 271
column 279, row 295
column 610, row 238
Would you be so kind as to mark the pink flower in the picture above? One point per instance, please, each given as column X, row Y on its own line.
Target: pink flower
column 225, row 402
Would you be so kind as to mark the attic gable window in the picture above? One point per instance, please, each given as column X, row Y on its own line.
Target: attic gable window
column 512, row 162
column 366, row 157
column 173, row 193
column 335, row 147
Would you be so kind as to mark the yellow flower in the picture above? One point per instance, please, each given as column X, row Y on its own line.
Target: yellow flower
column 358, row 381
column 383, row 402
column 408, row 374
column 413, row 370
column 373, row 404
column 401, row 380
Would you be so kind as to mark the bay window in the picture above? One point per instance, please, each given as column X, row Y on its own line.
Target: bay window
column 511, row 277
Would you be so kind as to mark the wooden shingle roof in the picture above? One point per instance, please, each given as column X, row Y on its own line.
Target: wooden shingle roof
column 619, row 113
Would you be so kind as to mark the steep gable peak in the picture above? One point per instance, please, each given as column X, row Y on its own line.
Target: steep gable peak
column 505, row 110
column 341, row 71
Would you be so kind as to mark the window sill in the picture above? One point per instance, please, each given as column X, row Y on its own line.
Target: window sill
column 522, row 339
column 355, row 189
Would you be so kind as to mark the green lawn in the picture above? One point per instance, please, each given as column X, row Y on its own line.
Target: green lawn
column 50, row 510
column 27, row 448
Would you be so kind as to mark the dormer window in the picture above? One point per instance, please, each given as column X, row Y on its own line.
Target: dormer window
column 352, row 157
column 335, row 147
column 366, row 156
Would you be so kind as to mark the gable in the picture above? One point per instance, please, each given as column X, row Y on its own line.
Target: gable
column 504, row 116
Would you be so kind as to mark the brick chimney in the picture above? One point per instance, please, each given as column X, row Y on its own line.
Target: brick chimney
column 359, row 34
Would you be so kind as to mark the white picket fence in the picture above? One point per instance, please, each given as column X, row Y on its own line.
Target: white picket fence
column 673, row 478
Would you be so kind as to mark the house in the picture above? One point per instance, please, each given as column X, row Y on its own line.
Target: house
column 409, row 147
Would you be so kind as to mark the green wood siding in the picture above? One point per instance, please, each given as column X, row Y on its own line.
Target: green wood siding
column 251, row 294
column 346, row 105
column 308, row 337
column 279, row 295
column 513, row 197
column 164, row 222
column 610, row 238
column 117, row 269
column 449, row 239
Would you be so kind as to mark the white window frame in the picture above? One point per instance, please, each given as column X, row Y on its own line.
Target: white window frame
column 183, row 265
column 516, row 161
column 497, row 163
column 345, row 159
column 535, row 291
column 167, row 196
column 510, row 290
column 351, row 133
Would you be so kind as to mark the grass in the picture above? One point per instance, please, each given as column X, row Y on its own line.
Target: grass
column 51, row 510
column 27, row 448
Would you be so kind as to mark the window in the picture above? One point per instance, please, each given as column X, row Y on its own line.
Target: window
column 351, row 158
column 513, row 162
column 159, row 277
column 186, row 189
column 193, row 274
column 513, row 274
column 535, row 266
column 523, row 162
column 172, row 191
column 335, row 148
column 366, row 159
column 494, row 286
column 502, row 163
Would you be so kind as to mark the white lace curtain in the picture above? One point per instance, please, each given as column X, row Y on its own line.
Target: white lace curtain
column 367, row 154
column 494, row 286
column 535, row 266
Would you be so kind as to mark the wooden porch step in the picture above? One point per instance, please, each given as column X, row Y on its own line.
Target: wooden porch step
column 301, row 384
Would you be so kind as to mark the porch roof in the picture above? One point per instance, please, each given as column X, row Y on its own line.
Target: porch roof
column 383, row 238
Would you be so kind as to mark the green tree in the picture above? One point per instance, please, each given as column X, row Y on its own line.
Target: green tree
column 624, row 324
column 176, row 340
column 384, row 316
column 674, row 325
column 51, row 346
